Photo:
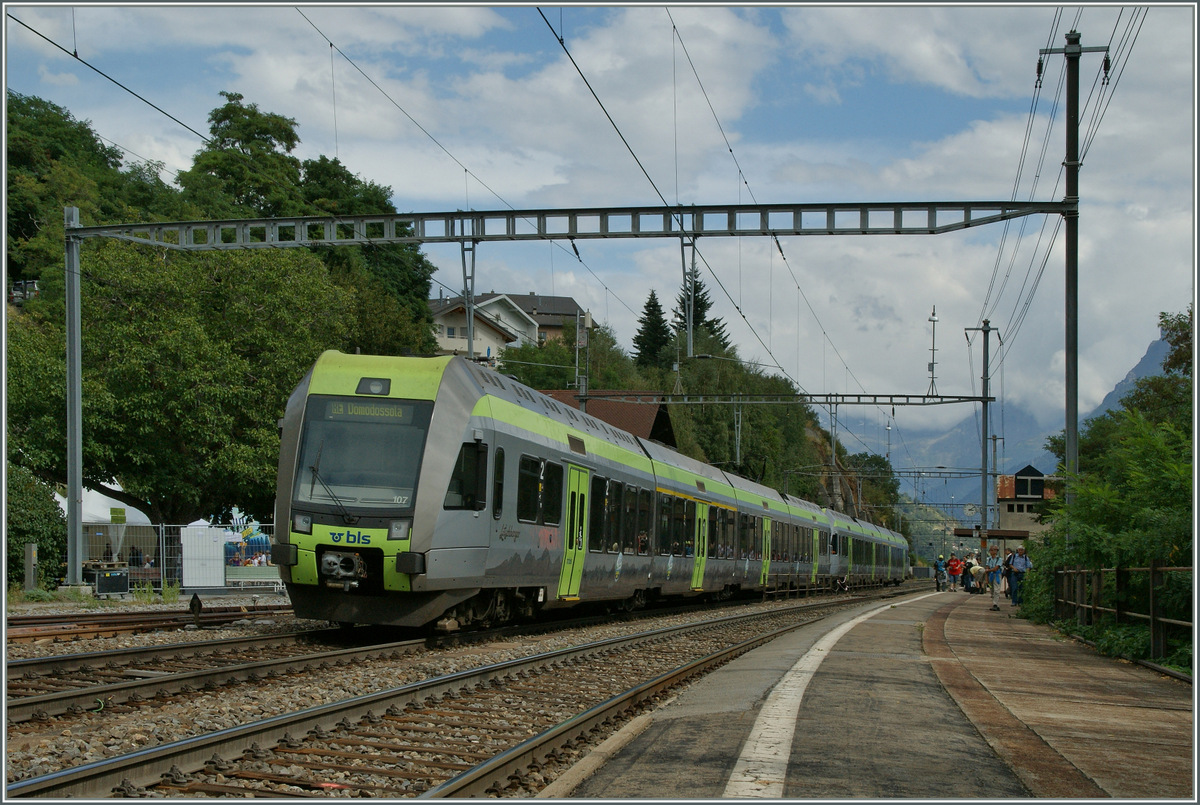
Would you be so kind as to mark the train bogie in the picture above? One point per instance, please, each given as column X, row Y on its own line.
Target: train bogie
column 434, row 491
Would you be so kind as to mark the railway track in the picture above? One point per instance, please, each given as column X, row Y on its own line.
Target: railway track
column 75, row 626
column 39, row 688
column 460, row 734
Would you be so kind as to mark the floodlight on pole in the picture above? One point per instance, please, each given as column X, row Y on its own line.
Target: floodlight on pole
column 933, row 319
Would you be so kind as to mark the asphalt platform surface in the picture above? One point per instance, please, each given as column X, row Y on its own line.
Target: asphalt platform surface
column 931, row 696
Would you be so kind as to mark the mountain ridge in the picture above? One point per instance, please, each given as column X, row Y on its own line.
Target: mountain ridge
column 1023, row 443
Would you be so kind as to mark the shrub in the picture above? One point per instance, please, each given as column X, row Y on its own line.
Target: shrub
column 34, row 516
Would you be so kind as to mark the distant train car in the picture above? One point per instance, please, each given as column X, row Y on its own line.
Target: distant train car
column 414, row 491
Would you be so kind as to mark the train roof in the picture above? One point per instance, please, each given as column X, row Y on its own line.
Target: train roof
column 334, row 372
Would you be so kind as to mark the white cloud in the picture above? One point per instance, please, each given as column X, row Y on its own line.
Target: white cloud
column 495, row 90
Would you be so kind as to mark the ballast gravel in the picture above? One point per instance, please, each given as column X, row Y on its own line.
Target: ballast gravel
column 37, row 748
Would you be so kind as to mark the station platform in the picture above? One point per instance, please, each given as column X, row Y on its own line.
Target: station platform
column 933, row 695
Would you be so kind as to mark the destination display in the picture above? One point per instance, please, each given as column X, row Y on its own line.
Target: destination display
column 348, row 409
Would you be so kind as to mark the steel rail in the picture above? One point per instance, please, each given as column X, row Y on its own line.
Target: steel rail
column 41, row 666
column 209, row 612
column 147, row 766
column 136, row 690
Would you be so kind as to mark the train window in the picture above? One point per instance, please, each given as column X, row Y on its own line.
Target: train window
column 529, row 477
column 645, row 521
column 629, row 520
column 612, row 525
column 498, row 484
column 833, row 545
column 468, row 480
column 714, row 531
column 599, row 513
column 665, row 511
column 688, row 537
column 552, row 493
column 824, row 543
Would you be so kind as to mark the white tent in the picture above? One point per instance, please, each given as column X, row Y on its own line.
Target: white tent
column 97, row 508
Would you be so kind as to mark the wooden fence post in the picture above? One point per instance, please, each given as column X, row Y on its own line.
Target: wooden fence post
column 1122, row 581
column 1080, row 595
column 1158, row 636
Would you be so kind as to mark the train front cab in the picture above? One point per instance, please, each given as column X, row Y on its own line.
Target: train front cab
column 358, row 445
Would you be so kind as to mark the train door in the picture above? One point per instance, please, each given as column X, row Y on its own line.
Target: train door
column 816, row 553
column 575, row 536
column 700, row 546
column 766, row 550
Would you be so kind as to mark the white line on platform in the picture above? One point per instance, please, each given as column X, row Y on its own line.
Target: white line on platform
column 761, row 770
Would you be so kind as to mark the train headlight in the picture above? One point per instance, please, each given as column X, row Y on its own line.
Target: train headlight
column 399, row 529
column 302, row 523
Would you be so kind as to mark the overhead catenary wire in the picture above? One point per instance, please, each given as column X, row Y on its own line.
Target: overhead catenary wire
column 744, row 182
column 105, row 75
column 466, row 170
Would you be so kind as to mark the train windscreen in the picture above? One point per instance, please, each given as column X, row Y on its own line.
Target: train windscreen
column 360, row 453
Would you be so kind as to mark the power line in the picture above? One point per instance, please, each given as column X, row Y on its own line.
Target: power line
column 110, row 78
column 467, row 171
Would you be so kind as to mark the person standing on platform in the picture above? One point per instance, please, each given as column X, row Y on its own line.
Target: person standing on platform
column 939, row 572
column 1020, row 566
column 1007, row 571
column 954, row 568
column 994, row 565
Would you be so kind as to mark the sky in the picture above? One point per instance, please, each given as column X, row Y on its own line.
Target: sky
column 475, row 107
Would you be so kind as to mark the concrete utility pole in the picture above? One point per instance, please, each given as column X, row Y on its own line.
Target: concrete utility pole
column 1073, row 51
column 987, row 330
column 75, row 548
column 582, row 340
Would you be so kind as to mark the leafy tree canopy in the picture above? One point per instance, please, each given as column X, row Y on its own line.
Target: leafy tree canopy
column 1133, row 495
column 187, row 363
column 246, row 169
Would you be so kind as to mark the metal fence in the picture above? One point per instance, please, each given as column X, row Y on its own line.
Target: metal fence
column 217, row 554
column 1123, row 593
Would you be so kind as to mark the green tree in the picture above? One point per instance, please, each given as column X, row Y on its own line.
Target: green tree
column 403, row 324
column 188, row 360
column 1133, row 496
column 549, row 365
column 33, row 516
column 50, row 157
column 880, row 489
column 653, row 335
column 247, row 168
column 701, row 305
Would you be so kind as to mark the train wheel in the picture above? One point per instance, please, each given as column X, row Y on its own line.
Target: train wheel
column 634, row 602
column 502, row 609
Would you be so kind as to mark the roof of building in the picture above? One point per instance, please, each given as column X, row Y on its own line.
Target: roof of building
column 645, row 421
column 545, row 310
column 439, row 307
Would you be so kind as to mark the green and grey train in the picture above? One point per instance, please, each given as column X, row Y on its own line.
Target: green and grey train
column 415, row 491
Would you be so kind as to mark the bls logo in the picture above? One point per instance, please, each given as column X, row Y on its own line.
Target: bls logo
column 350, row 537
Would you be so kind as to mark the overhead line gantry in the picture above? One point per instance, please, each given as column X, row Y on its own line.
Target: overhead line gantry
column 471, row 227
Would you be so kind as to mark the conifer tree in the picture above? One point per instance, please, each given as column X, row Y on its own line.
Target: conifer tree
column 653, row 333
column 701, row 305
